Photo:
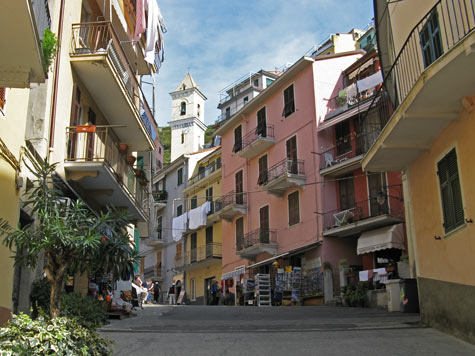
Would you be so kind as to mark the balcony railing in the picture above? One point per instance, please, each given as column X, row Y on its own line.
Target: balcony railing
column 211, row 168
column 42, row 16
column 157, row 272
column 237, row 87
column 265, row 131
column 230, row 199
column 455, row 19
column 256, row 237
column 211, row 250
column 348, row 147
column 99, row 38
column 101, row 145
column 160, row 196
column 384, row 204
column 283, row 168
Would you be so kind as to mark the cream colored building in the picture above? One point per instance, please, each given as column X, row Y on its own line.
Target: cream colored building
column 428, row 54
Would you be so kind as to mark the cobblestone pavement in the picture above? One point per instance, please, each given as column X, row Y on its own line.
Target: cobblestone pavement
column 220, row 330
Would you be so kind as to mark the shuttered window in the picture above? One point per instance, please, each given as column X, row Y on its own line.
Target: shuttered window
column 3, row 92
column 294, row 211
column 262, row 179
column 239, row 233
column 237, row 139
column 261, row 123
column 180, row 176
column 289, row 103
column 450, row 191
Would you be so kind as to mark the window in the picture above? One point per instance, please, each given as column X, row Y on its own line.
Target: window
column 289, row 103
column 228, row 113
column 256, row 82
column 183, row 108
column 430, row 40
column 159, row 150
column 261, row 129
column 239, row 187
column 262, row 179
column 450, row 191
column 180, row 176
column 199, row 110
column 194, row 202
column 346, row 189
column 239, row 233
column 178, row 250
column 182, row 138
column 292, row 162
column 179, row 210
column 159, row 227
column 209, row 197
column 269, row 81
column 245, row 100
column 377, row 185
column 209, row 241
column 343, row 137
column 294, row 211
column 193, row 288
column 237, row 139
column 193, row 247
column 3, row 94
column 264, row 224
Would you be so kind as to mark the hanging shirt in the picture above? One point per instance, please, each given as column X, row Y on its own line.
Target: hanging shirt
column 139, row 19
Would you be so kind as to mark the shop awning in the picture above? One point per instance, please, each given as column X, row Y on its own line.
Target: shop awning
column 235, row 273
column 381, row 239
column 267, row 261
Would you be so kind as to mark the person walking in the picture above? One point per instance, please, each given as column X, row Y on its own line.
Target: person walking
column 171, row 295
column 177, row 290
column 156, row 292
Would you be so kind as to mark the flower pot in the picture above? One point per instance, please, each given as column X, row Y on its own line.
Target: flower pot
column 130, row 160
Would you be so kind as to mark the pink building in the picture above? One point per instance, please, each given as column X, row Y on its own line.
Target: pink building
column 271, row 183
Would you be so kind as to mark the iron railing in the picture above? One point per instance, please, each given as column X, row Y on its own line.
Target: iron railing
column 238, row 86
column 99, row 38
column 264, row 131
column 101, row 145
column 160, row 196
column 211, row 168
column 231, row 198
column 202, row 253
column 283, row 168
column 151, row 272
column 256, row 237
column 383, row 203
column 454, row 20
column 42, row 16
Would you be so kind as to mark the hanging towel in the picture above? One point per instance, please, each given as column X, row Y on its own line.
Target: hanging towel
column 370, row 82
column 179, row 226
column 152, row 31
column 195, row 218
column 140, row 19
column 351, row 91
column 363, row 276
column 379, row 274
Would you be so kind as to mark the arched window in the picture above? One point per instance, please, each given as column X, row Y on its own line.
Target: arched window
column 183, row 108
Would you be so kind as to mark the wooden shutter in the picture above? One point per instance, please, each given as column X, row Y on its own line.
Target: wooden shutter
column 292, row 165
column 180, row 177
column 261, row 123
column 3, row 92
column 239, row 187
column 451, row 193
column 209, row 241
column 239, row 233
column 294, row 211
column 289, row 104
column 262, row 179
column 237, row 139
column 264, row 224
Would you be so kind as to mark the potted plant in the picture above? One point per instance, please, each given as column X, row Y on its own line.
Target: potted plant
column 139, row 173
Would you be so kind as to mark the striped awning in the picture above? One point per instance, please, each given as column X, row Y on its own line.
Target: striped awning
column 235, row 273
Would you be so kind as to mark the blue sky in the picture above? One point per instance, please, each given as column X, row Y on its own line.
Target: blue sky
column 219, row 41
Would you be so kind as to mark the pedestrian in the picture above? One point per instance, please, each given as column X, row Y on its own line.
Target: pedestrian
column 214, row 293
column 156, row 292
column 177, row 289
column 171, row 295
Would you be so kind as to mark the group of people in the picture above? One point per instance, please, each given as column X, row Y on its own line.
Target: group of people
column 174, row 292
column 146, row 290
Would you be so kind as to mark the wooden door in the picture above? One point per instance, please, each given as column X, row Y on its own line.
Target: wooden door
column 264, row 224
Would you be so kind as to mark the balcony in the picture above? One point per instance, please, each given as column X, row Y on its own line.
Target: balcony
column 363, row 216
column 212, row 217
column 23, row 24
column 94, row 162
column 210, row 172
column 347, row 154
column 160, row 197
column 238, row 87
column 256, row 242
column 155, row 241
column 426, row 84
column 203, row 256
column 155, row 273
column 179, row 261
column 99, row 59
column 256, row 141
column 282, row 176
column 232, row 204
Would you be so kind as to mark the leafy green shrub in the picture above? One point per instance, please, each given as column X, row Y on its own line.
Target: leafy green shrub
column 50, row 47
column 39, row 296
column 88, row 311
column 356, row 297
column 23, row 336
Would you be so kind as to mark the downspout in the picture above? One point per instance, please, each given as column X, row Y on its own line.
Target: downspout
column 55, row 85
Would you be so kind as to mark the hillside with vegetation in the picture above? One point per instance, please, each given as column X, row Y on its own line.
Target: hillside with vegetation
column 165, row 135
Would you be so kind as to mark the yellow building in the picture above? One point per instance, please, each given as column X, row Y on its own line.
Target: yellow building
column 20, row 65
column 428, row 54
column 202, row 256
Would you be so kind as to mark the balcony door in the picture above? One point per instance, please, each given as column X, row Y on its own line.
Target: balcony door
column 343, row 138
column 91, row 120
column 264, row 224
column 261, row 130
column 377, row 184
column 209, row 197
column 346, row 189
column 193, row 247
column 75, row 120
column 239, row 187
column 209, row 241
column 291, row 146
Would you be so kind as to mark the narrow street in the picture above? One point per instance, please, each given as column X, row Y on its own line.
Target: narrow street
column 202, row 330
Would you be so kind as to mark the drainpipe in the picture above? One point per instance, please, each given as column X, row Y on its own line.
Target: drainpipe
column 55, row 85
